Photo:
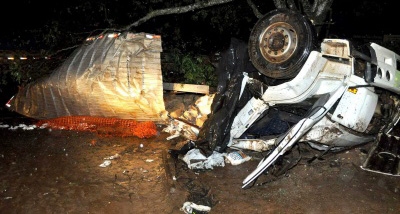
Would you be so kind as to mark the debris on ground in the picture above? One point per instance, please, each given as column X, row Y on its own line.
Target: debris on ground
column 112, row 157
column 257, row 145
column 187, row 122
column 196, row 160
column 105, row 163
column 237, row 157
column 20, row 126
column 190, row 207
column 181, row 128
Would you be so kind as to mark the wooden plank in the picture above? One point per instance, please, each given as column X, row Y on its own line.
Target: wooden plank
column 201, row 89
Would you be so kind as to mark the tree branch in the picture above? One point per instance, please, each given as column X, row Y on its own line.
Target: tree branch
column 291, row 5
column 306, row 6
column 176, row 10
column 320, row 8
column 254, row 8
column 279, row 3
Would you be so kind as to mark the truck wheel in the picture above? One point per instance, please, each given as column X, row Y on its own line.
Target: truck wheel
column 280, row 43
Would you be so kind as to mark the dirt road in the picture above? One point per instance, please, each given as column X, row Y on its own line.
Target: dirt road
column 44, row 171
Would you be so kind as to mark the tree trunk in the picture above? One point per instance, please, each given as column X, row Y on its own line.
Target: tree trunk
column 316, row 12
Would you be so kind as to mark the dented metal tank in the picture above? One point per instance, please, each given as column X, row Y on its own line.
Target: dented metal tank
column 110, row 75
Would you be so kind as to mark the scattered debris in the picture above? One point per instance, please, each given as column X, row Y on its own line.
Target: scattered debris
column 180, row 128
column 116, row 156
column 20, row 126
column 189, row 122
column 237, row 157
column 105, row 163
column 189, row 207
column 257, row 145
column 196, row 160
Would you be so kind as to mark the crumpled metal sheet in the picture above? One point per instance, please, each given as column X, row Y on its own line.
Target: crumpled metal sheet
column 115, row 75
column 384, row 156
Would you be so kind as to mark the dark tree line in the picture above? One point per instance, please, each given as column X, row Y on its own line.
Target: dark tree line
column 59, row 26
column 187, row 27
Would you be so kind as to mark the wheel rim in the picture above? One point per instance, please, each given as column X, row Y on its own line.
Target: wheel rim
column 278, row 42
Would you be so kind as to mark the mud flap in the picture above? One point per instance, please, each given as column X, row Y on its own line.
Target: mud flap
column 384, row 156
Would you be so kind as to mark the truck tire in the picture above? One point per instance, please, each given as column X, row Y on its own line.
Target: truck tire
column 280, row 43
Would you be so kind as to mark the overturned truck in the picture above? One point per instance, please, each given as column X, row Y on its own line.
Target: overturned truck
column 329, row 96
column 279, row 90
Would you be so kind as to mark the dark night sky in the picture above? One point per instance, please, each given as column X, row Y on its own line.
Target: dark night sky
column 373, row 17
column 24, row 14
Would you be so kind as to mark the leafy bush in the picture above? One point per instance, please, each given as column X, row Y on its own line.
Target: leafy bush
column 189, row 69
column 22, row 72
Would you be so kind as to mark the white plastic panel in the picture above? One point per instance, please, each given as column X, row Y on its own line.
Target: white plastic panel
column 355, row 109
column 387, row 76
column 299, row 88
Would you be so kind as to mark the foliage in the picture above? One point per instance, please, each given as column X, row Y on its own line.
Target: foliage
column 198, row 70
column 21, row 72
column 188, row 68
column 43, row 48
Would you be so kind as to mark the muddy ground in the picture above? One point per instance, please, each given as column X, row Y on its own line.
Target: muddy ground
column 58, row 171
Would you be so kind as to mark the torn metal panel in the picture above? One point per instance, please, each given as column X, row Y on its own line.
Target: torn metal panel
column 257, row 145
column 384, row 157
column 332, row 134
column 112, row 75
